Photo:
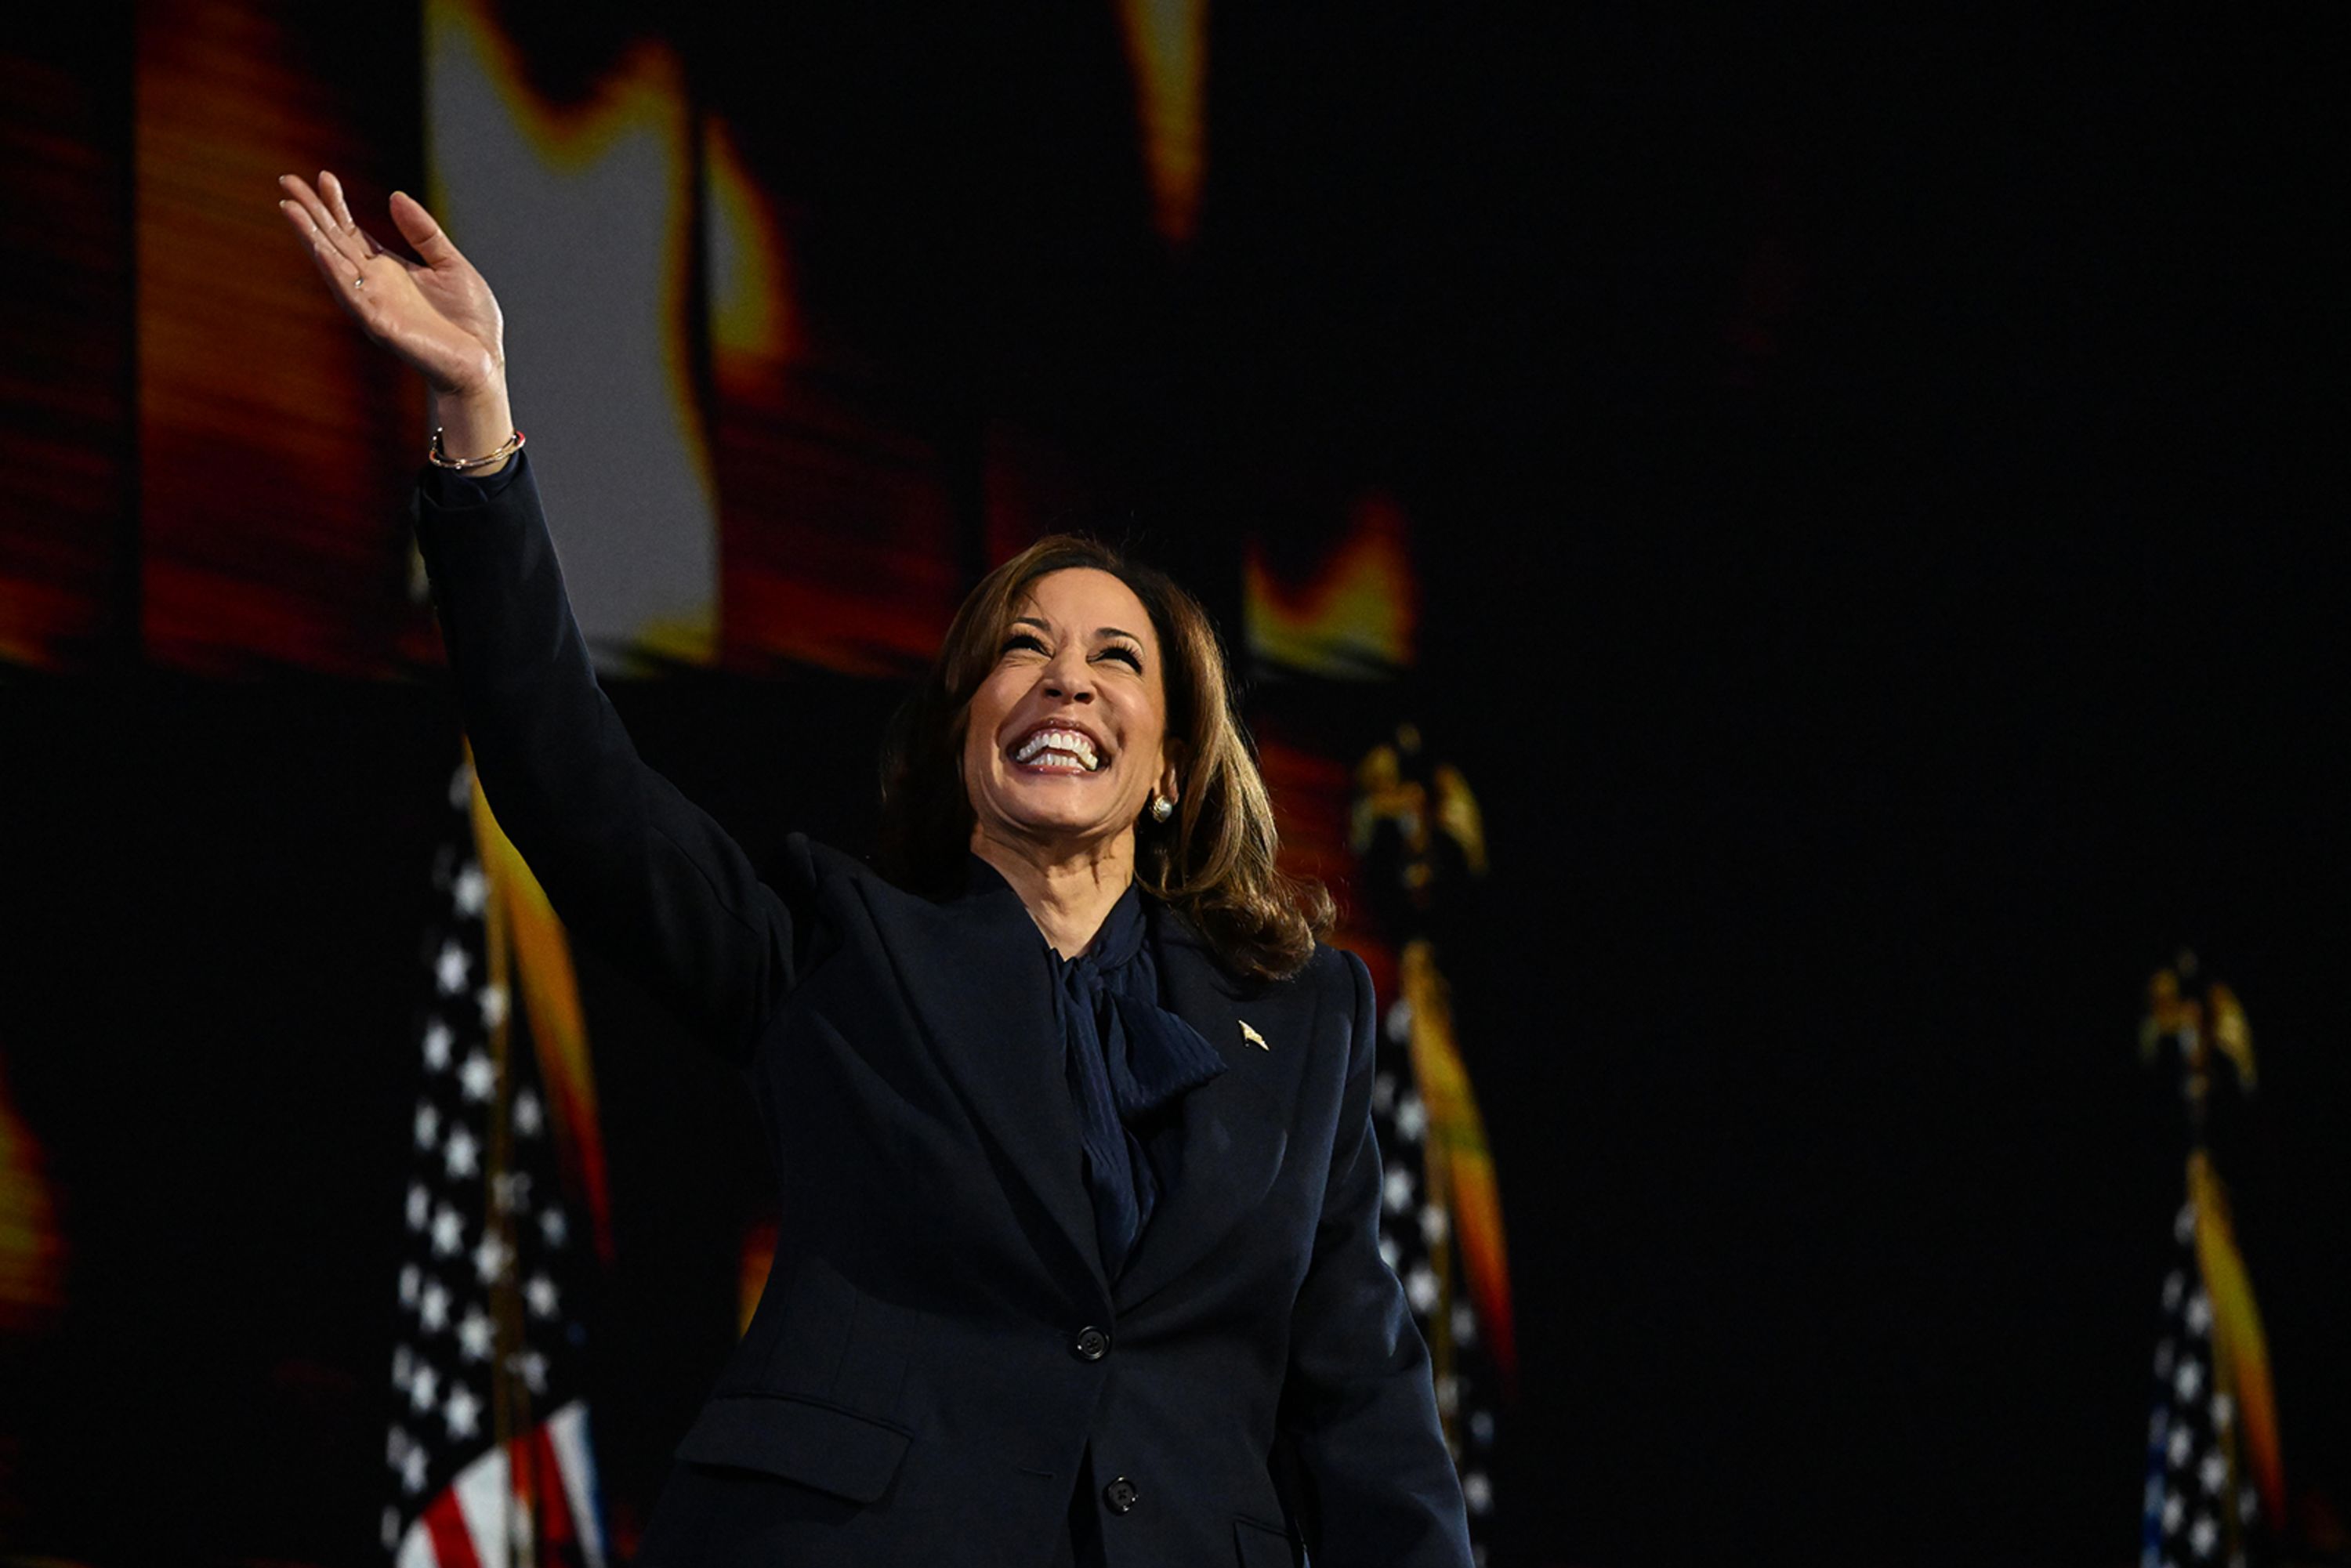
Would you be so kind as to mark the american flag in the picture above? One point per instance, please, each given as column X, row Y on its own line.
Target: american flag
column 2215, row 1480
column 2199, row 1508
column 1416, row 1238
column 488, row 1447
column 1419, row 838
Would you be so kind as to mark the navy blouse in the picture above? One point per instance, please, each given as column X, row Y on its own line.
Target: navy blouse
column 1127, row 1058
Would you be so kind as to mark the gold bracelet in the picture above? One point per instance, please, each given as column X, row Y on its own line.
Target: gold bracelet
column 440, row 459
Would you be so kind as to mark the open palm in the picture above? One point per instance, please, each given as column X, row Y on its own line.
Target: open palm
column 435, row 313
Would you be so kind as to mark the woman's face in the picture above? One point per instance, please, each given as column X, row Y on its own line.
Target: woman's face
column 1066, row 740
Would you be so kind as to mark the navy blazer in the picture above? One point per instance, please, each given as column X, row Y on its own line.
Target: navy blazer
column 938, row 1364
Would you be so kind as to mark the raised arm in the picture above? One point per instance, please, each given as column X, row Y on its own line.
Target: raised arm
column 646, row 877
column 1359, row 1409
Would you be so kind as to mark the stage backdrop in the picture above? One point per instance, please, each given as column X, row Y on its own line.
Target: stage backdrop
column 1829, row 527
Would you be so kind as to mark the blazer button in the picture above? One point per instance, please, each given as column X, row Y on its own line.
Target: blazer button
column 1091, row 1343
column 1121, row 1495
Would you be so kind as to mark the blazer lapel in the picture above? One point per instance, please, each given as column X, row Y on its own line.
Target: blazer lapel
column 1236, row 1127
column 981, row 988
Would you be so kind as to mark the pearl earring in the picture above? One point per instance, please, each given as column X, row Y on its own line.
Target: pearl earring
column 1162, row 808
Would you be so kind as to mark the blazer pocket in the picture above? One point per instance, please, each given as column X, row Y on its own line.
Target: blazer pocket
column 1263, row 1545
column 834, row 1451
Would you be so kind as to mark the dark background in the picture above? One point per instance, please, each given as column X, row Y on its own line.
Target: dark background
column 1873, row 497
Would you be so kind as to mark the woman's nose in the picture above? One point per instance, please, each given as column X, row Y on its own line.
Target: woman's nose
column 1069, row 680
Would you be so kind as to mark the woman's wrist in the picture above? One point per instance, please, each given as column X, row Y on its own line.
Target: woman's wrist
column 474, row 424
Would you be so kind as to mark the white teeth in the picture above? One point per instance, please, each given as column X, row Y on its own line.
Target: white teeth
column 1067, row 741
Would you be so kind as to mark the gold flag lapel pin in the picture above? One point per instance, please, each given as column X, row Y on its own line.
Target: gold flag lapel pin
column 1252, row 1036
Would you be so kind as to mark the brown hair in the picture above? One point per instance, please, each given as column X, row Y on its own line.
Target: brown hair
column 1214, row 860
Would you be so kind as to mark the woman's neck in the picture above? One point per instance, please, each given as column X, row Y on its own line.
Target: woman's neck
column 1067, row 893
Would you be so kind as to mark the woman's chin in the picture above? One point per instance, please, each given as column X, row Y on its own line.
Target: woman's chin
column 1072, row 824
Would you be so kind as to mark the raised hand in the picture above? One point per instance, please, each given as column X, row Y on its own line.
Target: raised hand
column 436, row 313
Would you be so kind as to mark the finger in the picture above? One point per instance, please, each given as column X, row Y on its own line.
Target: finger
column 323, row 223
column 339, row 204
column 339, row 280
column 344, row 278
column 321, row 239
column 416, row 226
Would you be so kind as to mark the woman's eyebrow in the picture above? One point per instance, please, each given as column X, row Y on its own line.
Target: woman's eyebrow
column 1099, row 631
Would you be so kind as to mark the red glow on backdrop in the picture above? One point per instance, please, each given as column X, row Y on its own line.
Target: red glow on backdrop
column 273, row 443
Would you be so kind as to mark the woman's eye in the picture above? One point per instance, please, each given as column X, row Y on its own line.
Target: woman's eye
column 1023, row 640
column 1133, row 660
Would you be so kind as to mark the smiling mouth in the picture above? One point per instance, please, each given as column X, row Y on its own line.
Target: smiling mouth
column 1056, row 750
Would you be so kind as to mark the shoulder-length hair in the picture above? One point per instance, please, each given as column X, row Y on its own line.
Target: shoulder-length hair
column 1214, row 860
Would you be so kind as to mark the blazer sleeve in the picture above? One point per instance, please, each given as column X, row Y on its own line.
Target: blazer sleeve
column 643, row 875
column 1359, row 1407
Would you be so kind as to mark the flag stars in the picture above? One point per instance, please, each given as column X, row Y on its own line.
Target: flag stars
column 478, row 1079
column 491, row 1258
column 412, row 1280
column 1395, row 1190
column 531, row 1367
column 448, row 1232
column 553, row 1228
column 420, row 1206
column 427, row 1125
column 2189, row 1381
column 529, row 1116
column 2224, row 1411
column 463, row 1154
column 1420, row 1286
column 493, row 1001
column 424, row 1387
column 463, row 1411
column 439, row 1039
column 1432, row 1224
column 2214, row 1473
column 511, row 1190
column 2199, row 1314
column 2181, row 1445
column 2175, row 1513
column 413, row 1470
column 475, row 1336
column 432, row 1311
column 470, row 890
column 542, row 1295
column 451, row 968
column 2203, row 1535
column 1411, row 1118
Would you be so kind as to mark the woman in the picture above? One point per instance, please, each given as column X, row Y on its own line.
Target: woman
column 1069, row 1115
